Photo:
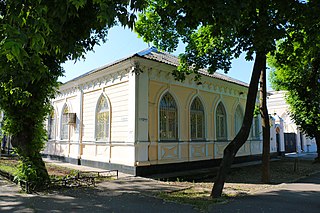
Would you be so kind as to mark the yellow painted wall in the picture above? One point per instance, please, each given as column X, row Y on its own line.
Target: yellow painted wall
column 184, row 95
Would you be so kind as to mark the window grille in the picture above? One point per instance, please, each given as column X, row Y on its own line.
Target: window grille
column 255, row 128
column 103, row 119
column 168, row 118
column 64, row 123
column 221, row 122
column 197, row 120
column 51, row 125
column 238, row 119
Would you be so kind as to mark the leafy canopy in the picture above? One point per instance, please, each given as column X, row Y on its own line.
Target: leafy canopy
column 215, row 31
column 36, row 36
column 296, row 69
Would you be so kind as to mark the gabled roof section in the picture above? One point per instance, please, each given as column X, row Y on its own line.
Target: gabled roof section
column 153, row 54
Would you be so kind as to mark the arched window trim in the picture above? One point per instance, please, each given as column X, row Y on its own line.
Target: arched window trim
column 52, row 125
column 64, row 130
column 238, row 120
column 194, row 124
column 224, row 135
column 161, row 136
column 255, row 128
column 106, row 134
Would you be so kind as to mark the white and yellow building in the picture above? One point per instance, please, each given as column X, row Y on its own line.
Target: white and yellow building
column 133, row 116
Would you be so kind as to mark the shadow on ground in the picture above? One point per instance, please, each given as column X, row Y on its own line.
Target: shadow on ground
column 99, row 199
column 283, row 200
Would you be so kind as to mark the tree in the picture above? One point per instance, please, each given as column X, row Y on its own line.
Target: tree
column 216, row 32
column 296, row 68
column 36, row 36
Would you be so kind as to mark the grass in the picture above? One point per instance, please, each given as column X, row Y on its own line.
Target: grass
column 197, row 197
column 10, row 165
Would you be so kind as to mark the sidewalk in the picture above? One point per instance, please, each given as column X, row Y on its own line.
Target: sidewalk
column 302, row 196
column 127, row 194
column 303, row 155
column 136, row 194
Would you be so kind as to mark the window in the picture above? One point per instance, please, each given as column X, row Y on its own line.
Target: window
column 255, row 128
column 238, row 119
column 168, row 118
column 197, row 120
column 102, row 119
column 64, row 123
column 221, row 122
column 51, row 125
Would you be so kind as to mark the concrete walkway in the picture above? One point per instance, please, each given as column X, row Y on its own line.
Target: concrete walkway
column 303, row 196
column 127, row 194
column 136, row 194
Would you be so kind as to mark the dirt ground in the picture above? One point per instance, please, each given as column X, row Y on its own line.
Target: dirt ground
column 247, row 180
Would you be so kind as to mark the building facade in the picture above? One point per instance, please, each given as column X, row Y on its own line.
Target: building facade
column 287, row 134
column 132, row 115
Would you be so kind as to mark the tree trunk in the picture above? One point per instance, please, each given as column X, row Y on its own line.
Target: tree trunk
column 265, row 174
column 317, row 159
column 32, row 168
column 231, row 150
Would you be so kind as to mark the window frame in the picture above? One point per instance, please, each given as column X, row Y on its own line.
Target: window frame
column 219, row 136
column 52, row 125
column 106, row 134
column 200, row 112
column 167, row 111
column 64, row 123
column 237, row 119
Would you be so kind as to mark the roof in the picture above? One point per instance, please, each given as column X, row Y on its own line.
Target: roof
column 153, row 54
column 164, row 57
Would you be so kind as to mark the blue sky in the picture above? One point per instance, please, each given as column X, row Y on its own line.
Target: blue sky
column 122, row 43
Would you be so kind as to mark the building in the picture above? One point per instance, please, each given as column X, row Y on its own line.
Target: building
column 133, row 116
column 287, row 134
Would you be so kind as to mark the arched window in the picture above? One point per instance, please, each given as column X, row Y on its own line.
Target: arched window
column 221, row 122
column 238, row 119
column 51, row 125
column 255, row 128
column 64, row 123
column 168, row 118
column 102, row 119
column 197, row 119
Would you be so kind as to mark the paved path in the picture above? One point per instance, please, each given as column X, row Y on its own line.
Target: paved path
column 120, row 196
column 303, row 196
column 135, row 194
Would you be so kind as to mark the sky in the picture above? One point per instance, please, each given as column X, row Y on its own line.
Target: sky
column 122, row 43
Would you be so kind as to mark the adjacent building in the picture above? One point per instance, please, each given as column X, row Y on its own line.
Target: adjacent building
column 287, row 134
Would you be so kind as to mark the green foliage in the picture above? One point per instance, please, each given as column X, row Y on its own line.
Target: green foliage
column 296, row 69
column 215, row 31
column 36, row 36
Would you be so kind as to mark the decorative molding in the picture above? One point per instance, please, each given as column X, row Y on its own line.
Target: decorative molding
column 100, row 82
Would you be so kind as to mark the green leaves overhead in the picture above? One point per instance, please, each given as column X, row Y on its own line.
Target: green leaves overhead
column 296, row 68
column 215, row 32
column 36, row 36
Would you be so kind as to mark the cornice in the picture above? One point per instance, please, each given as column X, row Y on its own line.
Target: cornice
column 208, row 84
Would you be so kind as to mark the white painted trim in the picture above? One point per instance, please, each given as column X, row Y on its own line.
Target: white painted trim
column 215, row 120
column 102, row 95
column 205, row 115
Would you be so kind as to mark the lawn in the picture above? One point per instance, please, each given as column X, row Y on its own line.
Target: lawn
column 9, row 165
